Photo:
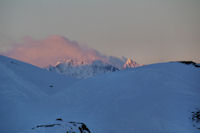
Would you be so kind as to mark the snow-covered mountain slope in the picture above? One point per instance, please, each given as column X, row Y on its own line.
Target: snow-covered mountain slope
column 26, row 75
column 82, row 69
column 22, row 84
column 156, row 98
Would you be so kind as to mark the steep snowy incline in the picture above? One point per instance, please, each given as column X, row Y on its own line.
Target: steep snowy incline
column 157, row 98
column 23, row 74
column 21, row 85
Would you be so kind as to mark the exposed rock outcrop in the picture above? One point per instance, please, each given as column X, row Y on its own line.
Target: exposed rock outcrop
column 62, row 127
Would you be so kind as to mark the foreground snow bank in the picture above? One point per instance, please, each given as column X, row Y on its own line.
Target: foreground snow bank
column 154, row 98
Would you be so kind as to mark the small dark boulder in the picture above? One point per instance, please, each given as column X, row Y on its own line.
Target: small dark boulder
column 59, row 119
column 13, row 62
column 51, row 86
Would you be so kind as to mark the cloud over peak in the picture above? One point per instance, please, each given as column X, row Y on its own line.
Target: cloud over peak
column 54, row 48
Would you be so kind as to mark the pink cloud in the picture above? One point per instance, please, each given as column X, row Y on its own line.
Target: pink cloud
column 52, row 49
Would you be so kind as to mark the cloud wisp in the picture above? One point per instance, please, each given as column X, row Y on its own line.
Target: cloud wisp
column 56, row 48
column 51, row 50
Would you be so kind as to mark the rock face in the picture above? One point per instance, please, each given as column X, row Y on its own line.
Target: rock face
column 190, row 63
column 130, row 64
column 196, row 118
column 62, row 127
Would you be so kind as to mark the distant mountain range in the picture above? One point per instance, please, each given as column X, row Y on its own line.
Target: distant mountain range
column 85, row 69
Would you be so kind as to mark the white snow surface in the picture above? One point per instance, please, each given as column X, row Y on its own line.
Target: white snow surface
column 157, row 98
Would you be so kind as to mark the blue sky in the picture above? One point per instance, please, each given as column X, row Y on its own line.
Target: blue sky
column 146, row 30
